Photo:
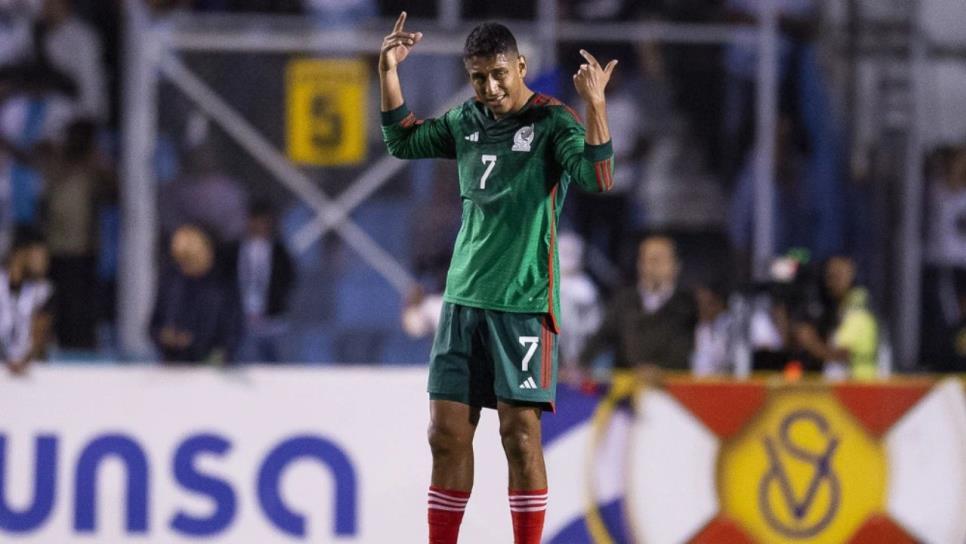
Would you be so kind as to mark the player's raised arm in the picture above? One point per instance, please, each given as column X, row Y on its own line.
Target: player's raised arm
column 405, row 136
column 591, row 80
column 586, row 153
column 395, row 49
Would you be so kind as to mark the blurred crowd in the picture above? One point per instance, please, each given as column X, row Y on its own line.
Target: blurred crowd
column 58, row 187
column 224, row 276
column 654, row 275
column 944, row 273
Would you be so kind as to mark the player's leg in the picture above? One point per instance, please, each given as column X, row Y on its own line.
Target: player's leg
column 525, row 352
column 528, row 493
column 451, row 430
column 520, row 434
column 454, row 414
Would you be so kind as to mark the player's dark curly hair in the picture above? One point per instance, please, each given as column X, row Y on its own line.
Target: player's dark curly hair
column 489, row 40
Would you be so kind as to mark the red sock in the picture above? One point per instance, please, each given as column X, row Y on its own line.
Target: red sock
column 445, row 514
column 528, row 509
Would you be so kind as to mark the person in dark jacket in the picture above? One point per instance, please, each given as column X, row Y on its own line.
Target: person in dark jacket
column 261, row 265
column 648, row 326
column 197, row 314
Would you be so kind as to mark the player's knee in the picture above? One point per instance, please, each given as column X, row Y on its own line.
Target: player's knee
column 446, row 441
column 519, row 443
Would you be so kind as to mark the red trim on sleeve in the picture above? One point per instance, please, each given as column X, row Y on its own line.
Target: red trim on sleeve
column 409, row 121
column 605, row 181
column 607, row 174
column 600, row 182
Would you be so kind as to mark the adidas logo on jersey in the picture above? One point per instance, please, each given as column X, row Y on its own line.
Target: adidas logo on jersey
column 528, row 383
column 475, row 137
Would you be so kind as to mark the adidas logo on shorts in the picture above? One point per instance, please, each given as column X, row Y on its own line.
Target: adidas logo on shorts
column 528, row 383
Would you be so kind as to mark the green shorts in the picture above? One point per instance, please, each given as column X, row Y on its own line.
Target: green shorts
column 482, row 356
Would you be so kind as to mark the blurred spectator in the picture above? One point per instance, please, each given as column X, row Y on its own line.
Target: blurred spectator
column 806, row 100
column 420, row 314
column 946, row 215
column 435, row 223
column 676, row 187
column 77, row 181
column 197, row 314
column 71, row 46
column 11, row 158
column 798, row 20
column 16, row 20
column 32, row 119
column 53, row 73
column 714, row 336
column 265, row 277
column 800, row 219
column 951, row 346
column 434, row 226
column 779, row 306
column 58, row 52
column 651, row 325
column 846, row 337
column 944, row 276
column 580, row 305
column 205, row 196
column 24, row 302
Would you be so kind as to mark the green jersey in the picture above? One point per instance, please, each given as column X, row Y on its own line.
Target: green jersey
column 513, row 173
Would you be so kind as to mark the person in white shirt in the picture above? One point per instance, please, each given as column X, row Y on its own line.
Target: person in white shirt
column 580, row 306
column 25, row 295
column 714, row 335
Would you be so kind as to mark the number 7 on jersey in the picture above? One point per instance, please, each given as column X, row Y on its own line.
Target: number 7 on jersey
column 490, row 162
column 533, row 341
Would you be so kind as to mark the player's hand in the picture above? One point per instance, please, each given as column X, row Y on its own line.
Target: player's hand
column 396, row 46
column 591, row 79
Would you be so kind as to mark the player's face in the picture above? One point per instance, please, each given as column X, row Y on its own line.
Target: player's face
column 498, row 81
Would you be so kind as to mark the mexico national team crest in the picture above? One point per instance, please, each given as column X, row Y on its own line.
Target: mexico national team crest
column 523, row 139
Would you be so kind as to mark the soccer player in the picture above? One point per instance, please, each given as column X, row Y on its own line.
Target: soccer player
column 496, row 346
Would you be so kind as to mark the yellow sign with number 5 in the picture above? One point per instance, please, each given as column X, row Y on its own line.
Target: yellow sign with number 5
column 326, row 111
